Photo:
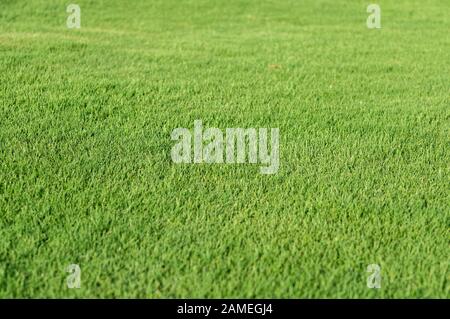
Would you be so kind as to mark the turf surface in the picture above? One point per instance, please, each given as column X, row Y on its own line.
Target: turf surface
column 86, row 175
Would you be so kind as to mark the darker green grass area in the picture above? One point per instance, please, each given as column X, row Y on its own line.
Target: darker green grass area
column 85, row 170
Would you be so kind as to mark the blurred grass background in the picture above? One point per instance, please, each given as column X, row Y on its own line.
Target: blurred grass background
column 85, row 169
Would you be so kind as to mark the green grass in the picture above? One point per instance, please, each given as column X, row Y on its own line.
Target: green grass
column 85, row 169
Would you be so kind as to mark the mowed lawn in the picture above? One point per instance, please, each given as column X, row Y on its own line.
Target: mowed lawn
column 86, row 175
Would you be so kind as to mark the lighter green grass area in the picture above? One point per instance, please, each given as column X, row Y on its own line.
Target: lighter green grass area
column 86, row 175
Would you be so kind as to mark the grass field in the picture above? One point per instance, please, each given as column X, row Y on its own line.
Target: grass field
column 85, row 170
